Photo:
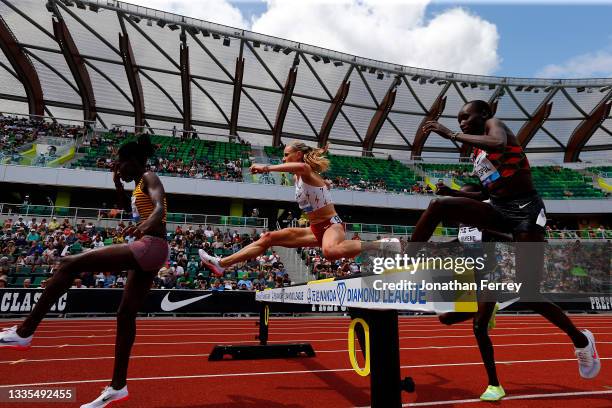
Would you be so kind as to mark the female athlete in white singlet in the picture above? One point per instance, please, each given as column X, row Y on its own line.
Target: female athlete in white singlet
column 314, row 198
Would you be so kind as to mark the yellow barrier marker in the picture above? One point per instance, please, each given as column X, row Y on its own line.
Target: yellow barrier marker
column 266, row 314
column 466, row 301
column 365, row 371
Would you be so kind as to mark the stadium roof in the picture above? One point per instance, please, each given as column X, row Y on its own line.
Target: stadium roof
column 119, row 63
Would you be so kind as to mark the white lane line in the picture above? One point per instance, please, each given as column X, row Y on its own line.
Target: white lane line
column 275, row 333
column 309, row 340
column 290, row 322
column 469, row 346
column 24, row 360
column 512, row 397
column 255, row 374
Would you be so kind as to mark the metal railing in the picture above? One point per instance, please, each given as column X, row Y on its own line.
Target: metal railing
column 74, row 214
column 407, row 230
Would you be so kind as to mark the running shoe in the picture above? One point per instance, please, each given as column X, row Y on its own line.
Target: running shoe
column 589, row 363
column 108, row 397
column 492, row 321
column 212, row 262
column 493, row 393
column 390, row 246
column 10, row 339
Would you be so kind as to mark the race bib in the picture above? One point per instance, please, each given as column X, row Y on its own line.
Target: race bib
column 541, row 221
column 484, row 169
column 469, row 234
column 135, row 214
column 335, row 220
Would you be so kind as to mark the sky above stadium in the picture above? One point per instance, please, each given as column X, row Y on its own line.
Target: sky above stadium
column 551, row 39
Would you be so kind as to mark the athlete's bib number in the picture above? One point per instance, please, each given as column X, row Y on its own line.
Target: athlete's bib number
column 484, row 169
column 469, row 234
column 135, row 214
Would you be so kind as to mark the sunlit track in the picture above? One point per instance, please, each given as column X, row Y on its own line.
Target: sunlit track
column 168, row 352
column 205, row 330
column 272, row 373
column 473, row 346
column 304, row 339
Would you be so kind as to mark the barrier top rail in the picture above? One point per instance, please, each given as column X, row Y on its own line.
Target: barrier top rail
column 113, row 214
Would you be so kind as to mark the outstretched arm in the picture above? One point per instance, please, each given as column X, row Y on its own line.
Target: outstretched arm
column 295, row 168
column 494, row 139
column 444, row 190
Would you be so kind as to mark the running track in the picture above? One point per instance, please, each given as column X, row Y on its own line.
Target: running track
column 170, row 367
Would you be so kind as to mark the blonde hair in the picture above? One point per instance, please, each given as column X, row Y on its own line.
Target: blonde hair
column 313, row 156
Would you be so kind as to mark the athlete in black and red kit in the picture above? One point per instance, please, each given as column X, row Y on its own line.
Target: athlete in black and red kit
column 515, row 207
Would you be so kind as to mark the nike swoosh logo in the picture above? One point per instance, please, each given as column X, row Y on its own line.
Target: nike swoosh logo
column 107, row 398
column 524, row 205
column 168, row 306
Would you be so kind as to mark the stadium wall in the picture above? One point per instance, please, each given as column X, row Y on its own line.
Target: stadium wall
column 176, row 185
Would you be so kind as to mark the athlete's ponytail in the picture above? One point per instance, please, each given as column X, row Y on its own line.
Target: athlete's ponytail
column 313, row 156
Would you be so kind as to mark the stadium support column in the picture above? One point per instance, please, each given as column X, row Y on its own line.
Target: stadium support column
column 24, row 69
column 531, row 127
column 466, row 149
column 186, row 86
column 77, row 68
column 333, row 111
column 436, row 110
column 236, row 96
column 283, row 106
column 581, row 135
column 379, row 118
column 131, row 71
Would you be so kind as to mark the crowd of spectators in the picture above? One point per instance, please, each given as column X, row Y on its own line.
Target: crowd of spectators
column 165, row 162
column 229, row 170
column 33, row 248
column 344, row 183
column 578, row 267
column 16, row 132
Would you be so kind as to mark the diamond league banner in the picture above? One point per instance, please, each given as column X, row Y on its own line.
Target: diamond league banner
column 159, row 301
column 452, row 276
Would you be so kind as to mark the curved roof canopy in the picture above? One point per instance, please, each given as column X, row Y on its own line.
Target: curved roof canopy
column 140, row 65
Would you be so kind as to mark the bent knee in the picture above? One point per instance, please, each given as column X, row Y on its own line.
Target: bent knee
column 67, row 265
column 332, row 253
column 437, row 204
column 480, row 326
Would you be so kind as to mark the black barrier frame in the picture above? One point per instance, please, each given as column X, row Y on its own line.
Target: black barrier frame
column 386, row 383
column 263, row 350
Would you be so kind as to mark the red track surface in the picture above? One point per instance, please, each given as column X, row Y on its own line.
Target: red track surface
column 170, row 367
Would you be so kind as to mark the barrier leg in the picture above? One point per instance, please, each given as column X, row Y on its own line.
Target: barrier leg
column 264, row 320
column 386, row 384
column 263, row 350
